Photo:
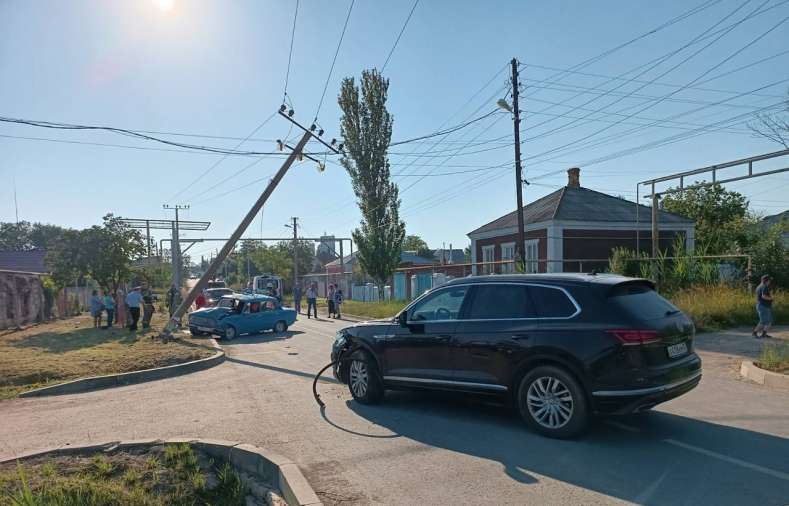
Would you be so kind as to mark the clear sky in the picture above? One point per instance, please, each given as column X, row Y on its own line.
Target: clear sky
column 217, row 68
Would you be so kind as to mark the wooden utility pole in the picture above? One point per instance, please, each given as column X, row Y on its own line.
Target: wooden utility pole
column 520, row 246
column 231, row 243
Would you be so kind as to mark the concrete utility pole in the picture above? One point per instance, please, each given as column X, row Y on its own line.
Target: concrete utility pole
column 295, row 252
column 520, row 246
column 176, row 245
column 231, row 243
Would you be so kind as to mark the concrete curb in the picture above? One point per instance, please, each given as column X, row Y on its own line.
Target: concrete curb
column 763, row 377
column 279, row 471
column 129, row 378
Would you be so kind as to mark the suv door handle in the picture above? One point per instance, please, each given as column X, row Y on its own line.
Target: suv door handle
column 520, row 337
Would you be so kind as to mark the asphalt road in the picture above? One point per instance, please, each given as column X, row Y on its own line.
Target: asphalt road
column 725, row 443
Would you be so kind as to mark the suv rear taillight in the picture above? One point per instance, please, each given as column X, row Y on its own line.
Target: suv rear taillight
column 630, row 337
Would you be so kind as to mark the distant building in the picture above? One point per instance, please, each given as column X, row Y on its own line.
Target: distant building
column 326, row 250
column 573, row 229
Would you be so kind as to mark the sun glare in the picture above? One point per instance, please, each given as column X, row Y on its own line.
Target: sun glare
column 164, row 5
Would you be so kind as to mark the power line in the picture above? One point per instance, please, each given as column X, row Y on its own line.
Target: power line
column 290, row 53
column 215, row 164
column 334, row 60
column 399, row 35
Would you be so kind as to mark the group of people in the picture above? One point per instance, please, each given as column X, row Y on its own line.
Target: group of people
column 137, row 300
column 334, row 300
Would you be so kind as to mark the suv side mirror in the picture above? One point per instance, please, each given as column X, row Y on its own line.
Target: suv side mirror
column 402, row 318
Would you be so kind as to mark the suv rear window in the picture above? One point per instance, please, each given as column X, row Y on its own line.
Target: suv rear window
column 639, row 300
column 551, row 302
column 501, row 302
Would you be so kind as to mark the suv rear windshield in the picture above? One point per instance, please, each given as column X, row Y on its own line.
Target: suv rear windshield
column 640, row 301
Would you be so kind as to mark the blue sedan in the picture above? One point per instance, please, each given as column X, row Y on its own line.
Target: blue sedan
column 242, row 314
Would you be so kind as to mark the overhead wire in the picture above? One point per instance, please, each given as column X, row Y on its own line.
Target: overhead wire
column 334, row 60
column 290, row 52
column 394, row 46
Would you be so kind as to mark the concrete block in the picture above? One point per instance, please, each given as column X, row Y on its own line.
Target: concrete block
column 295, row 488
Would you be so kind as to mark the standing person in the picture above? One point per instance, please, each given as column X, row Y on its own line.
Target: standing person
column 330, row 301
column 172, row 299
column 109, row 307
column 147, row 308
column 297, row 299
column 312, row 298
column 133, row 301
column 96, row 308
column 200, row 301
column 120, row 307
column 764, row 308
column 338, row 300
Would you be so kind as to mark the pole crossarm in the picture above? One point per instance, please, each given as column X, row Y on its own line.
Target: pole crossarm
column 165, row 224
column 713, row 170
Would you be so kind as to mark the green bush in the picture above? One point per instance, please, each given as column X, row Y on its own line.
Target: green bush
column 775, row 357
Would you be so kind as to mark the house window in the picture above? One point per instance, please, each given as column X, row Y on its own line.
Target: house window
column 488, row 256
column 532, row 255
column 508, row 253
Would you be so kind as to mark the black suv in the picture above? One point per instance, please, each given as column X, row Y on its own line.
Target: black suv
column 560, row 346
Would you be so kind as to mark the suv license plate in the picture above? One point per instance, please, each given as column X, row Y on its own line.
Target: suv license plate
column 677, row 350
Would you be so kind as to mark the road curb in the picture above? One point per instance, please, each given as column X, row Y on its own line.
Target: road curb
column 271, row 467
column 129, row 378
column 763, row 377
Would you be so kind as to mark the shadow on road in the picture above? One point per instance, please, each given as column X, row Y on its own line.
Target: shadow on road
column 266, row 337
column 654, row 458
column 284, row 370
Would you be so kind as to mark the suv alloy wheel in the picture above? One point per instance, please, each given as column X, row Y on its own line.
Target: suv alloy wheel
column 363, row 379
column 552, row 401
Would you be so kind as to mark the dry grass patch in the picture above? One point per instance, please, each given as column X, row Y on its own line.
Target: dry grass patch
column 68, row 349
column 720, row 306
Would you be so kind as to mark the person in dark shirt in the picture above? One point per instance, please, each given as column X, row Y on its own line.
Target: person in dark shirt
column 764, row 308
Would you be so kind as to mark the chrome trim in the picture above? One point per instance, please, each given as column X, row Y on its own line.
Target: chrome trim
column 646, row 391
column 487, row 386
column 444, row 287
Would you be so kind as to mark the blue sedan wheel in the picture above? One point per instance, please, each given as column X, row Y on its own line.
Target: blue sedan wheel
column 280, row 327
column 230, row 332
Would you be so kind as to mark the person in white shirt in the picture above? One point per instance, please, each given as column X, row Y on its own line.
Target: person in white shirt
column 134, row 301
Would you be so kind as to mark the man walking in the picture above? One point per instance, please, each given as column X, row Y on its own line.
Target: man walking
column 133, row 301
column 764, row 308
column 330, row 301
column 312, row 297
column 338, row 300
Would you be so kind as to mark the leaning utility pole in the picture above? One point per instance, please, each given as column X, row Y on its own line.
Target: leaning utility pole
column 520, row 247
column 230, row 244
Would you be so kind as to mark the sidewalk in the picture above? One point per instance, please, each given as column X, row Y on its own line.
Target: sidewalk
column 725, row 350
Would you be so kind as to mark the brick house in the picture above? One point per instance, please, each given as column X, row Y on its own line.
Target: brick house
column 573, row 229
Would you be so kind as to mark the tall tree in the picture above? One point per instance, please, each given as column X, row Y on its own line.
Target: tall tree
column 366, row 128
column 719, row 214
column 109, row 250
column 24, row 236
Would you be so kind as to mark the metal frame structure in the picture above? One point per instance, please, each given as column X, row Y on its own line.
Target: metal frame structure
column 712, row 169
column 162, row 225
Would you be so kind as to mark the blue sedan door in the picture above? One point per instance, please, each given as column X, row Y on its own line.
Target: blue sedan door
column 268, row 314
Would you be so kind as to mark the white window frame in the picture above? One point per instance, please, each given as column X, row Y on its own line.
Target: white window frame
column 486, row 267
column 508, row 268
column 531, row 248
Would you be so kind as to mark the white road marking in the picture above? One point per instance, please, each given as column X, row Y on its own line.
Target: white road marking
column 731, row 460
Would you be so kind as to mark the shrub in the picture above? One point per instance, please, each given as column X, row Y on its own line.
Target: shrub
column 775, row 357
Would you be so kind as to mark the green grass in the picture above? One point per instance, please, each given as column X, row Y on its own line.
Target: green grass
column 374, row 310
column 120, row 479
column 64, row 350
column 775, row 357
column 720, row 306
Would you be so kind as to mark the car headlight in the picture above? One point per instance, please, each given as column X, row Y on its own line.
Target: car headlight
column 339, row 338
